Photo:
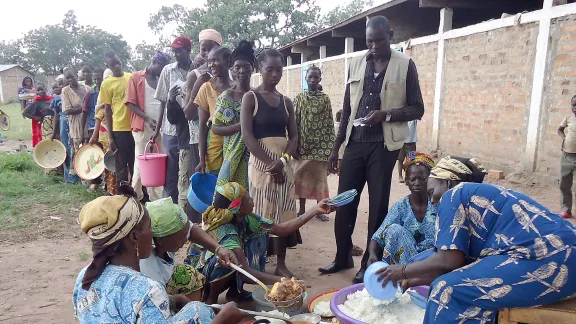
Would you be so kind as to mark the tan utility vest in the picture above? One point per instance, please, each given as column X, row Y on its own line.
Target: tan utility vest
column 392, row 95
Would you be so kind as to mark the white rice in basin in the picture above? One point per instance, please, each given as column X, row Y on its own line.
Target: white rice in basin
column 363, row 307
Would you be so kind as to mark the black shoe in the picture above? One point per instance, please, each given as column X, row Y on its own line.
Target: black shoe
column 359, row 278
column 333, row 267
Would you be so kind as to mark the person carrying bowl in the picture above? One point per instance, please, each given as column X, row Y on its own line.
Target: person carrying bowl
column 231, row 220
column 495, row 248
column 112, row 289
column 409, row 227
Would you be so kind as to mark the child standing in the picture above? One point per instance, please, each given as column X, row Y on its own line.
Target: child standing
column 100, row 137
column 567, row 132
column 37, row 110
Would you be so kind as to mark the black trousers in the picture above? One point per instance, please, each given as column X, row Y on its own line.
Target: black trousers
column 361, row 163
column 124, row 156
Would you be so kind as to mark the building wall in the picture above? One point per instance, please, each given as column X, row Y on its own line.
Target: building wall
column 561, row 81
column 486, row 94
column 11, row 80
column 333, row 82
column 425, row 57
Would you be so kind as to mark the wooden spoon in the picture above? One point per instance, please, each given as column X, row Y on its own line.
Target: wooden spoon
column 244, row 272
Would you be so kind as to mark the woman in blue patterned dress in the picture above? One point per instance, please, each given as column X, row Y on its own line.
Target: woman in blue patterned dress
column 112, row 289
column 409, row 226
column 495, row 248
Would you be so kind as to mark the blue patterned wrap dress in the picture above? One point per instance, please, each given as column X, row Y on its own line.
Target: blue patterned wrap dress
column 519, row 254
column 122, row 295
column 402, row 236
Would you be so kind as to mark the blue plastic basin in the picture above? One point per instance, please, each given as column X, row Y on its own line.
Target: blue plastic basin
column 201, row 191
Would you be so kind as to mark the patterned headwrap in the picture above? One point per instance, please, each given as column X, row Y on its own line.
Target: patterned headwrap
column 211, row 34
column 107, row 220
column 418, row 159
column 459, row 169
column 214, row 217
column 161, row 58
column 167, row 217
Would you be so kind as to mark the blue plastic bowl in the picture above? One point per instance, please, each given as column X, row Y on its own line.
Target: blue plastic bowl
column 201, row 191
column 374, row 287
column 422, row 255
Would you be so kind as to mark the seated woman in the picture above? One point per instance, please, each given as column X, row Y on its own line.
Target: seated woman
column 171, row 229
column 231, row 221
column 508, row 250
column 409, row 226
column 112, row 289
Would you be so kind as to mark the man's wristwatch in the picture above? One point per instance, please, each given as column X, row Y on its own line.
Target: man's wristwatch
column 388, row 116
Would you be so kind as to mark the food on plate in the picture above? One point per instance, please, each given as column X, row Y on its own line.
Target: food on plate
column 286, row 289
column 363, row 307
column 323, row 309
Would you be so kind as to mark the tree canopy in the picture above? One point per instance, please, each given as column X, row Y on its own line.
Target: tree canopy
column 53, row 47
column 269, row 23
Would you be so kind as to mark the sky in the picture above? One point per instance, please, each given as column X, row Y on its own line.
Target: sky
column 126, row 17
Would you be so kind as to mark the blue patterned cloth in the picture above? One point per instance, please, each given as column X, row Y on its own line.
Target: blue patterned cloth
column 122, row 295
column 519, row 254
column 402, row 236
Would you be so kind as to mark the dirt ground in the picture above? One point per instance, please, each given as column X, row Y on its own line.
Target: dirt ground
column 37, row 277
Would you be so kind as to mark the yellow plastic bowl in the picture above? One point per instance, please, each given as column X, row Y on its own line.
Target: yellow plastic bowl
column 49, row 154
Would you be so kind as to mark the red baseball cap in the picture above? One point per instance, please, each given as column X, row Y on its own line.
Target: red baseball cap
column 182, row 42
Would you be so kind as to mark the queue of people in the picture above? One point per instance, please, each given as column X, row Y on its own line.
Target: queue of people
column 270, row 155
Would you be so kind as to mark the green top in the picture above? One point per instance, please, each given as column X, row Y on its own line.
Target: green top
column 315, row 125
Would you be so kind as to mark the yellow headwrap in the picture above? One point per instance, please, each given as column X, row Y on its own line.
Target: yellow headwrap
column 418, row 159
column 214, row 217
column 211, row 34
column 450, row 168
column 110, row 219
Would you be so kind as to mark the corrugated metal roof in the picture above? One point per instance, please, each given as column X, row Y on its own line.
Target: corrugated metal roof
column 4, row 67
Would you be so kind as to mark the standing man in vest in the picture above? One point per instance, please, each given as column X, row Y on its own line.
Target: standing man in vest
column 382, row 95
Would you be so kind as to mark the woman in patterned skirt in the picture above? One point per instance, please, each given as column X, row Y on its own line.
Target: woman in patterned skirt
column 270, row 133
column 495, row 249
column 316, row 139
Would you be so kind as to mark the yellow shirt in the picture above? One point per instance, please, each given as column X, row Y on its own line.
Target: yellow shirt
column 569, row 144
column 206, row 100
column 113, row 92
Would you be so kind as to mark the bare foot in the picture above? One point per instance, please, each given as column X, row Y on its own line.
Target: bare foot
column 282, row 271
column 322, row 217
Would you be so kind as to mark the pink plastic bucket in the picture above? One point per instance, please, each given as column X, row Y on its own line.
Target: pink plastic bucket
column 152, row 167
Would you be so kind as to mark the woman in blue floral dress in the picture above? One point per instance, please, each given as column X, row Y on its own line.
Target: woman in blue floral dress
column 409, row 226
column 112, row 289
column 495, row 248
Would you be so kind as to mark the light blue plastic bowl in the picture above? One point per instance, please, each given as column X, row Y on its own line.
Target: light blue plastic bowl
column 374, row 287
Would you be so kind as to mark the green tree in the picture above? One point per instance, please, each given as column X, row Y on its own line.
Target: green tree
column 268, row 23
column 343, row 12
column 69, row 44
column 142, row 55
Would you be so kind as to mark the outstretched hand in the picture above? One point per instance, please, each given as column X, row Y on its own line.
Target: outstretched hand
column 323, row 208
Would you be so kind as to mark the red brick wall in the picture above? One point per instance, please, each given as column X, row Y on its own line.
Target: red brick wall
column 560, row 87
column 425, row 58
column 487, row 85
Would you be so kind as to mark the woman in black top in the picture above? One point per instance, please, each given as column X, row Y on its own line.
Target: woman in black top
column 269, row 131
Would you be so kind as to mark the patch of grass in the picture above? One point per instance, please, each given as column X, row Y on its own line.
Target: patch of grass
column 83, row 256
column 20, row 128
column 32, row 202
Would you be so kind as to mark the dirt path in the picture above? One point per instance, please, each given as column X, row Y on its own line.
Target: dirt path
column 37, row 278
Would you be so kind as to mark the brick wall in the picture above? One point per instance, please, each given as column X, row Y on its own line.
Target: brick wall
column 333, row 82
column 294, row 79
column 487, row 84
column 425, row 57
column 561, row 79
